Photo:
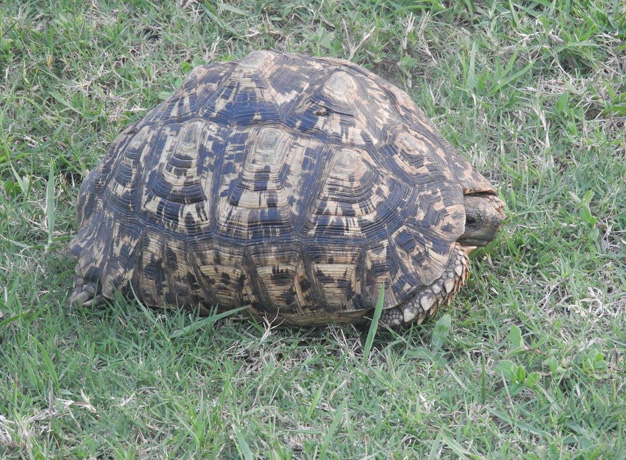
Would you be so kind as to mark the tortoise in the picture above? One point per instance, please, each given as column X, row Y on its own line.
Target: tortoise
column 294, row 185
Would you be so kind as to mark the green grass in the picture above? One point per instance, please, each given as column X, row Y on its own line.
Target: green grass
column 529, row 362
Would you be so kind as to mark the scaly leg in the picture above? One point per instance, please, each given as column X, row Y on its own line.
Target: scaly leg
column 86, row 293
column 430, row 298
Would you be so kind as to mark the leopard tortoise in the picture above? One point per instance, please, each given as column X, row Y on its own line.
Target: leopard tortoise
column 294, row 185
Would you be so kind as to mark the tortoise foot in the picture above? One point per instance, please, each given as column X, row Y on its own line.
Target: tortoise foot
column 85, row 293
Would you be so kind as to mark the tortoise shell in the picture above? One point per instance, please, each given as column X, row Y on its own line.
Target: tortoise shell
column 293, row 185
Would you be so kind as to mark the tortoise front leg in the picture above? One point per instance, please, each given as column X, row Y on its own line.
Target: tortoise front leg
column 426, row 302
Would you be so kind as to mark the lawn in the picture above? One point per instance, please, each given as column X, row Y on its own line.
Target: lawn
column 530, row 360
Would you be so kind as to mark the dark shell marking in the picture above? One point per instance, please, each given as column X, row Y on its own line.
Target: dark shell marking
column 292, row 184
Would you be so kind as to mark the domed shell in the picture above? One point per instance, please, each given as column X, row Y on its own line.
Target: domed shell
column 295, row 185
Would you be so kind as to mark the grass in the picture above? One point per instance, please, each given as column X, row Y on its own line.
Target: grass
column 529, row 362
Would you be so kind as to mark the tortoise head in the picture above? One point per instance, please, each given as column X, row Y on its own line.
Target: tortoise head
column 483, row 216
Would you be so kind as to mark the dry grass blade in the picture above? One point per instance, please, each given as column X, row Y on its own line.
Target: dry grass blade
column 50, row 206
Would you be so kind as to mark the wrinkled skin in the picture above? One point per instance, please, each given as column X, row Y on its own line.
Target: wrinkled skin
column 483, row 216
